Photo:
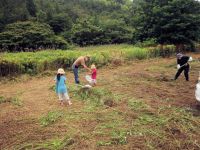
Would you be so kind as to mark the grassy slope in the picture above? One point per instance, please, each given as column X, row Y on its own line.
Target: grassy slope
column 148, row 111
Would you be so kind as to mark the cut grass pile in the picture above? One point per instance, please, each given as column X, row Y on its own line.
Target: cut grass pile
column 50, row 118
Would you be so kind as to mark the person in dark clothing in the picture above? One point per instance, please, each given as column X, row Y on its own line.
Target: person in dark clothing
column 183, row 65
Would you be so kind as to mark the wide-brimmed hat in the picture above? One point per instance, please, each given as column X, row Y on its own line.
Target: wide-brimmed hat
column 61, row 71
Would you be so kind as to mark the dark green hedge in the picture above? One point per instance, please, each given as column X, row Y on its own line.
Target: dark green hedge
column 29, row 36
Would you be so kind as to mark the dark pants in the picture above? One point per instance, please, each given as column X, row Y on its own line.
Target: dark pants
column 186, row 72
column 75, row 70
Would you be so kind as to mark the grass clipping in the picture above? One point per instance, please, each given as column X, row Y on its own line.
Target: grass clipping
column 95, row 96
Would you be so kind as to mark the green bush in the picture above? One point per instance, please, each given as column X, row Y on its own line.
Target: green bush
column 105, row 31
column 147, row 43
column 26, row 36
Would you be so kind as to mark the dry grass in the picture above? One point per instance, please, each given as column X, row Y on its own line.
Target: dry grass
column 148, row 112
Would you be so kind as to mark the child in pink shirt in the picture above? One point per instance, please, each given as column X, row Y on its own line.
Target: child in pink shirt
column 92, row 79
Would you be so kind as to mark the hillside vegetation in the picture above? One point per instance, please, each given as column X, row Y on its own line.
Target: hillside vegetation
column 37, row 62
column 135, row 105
column 95, row 22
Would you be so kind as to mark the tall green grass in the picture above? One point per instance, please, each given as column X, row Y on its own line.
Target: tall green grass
column 36, row 62
column 136, row 53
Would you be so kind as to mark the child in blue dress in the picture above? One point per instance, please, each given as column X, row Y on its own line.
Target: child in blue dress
column 61, row 88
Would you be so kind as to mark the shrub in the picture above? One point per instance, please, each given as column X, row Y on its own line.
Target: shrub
column 147, row 43
column 106, row 31
column 26, row 36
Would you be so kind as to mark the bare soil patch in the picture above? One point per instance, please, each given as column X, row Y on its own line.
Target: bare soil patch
column 147, row 80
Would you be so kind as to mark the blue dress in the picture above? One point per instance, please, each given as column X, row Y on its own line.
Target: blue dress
column 60, row 85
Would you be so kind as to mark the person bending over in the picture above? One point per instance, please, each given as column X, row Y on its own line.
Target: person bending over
column 183, row 65
column 80, row 61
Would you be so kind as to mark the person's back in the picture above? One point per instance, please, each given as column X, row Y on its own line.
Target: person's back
column 183, row 60
column 61, row 86
column 79, row 61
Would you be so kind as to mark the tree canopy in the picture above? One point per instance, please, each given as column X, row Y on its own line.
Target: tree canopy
column 22, row 36
column 169, row 21
column 89, row 22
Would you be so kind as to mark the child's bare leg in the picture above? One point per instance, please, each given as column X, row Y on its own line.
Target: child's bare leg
column 67, row 98
column 94, row 83
column 60, row 96
column 69, row 102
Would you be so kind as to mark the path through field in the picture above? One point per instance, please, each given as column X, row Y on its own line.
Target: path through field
column 89, row 127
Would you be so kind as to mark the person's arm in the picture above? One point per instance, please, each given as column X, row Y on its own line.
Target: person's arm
column 87, row 68
column 55, row 79
column 84, row 65
column 178, row 64
column 187, row 58
column 91, row 72
column 65, row 80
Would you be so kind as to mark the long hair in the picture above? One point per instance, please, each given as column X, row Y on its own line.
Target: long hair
column 58, row 76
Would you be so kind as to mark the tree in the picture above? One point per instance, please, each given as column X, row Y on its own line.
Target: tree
column 107, row 21
column 60, row 23
column 41, row 16
column 169, row 21
column 12, row 11
column 101, row 31
column 86, row 33
column 30, row 5
column 21, row 35
column 116, row 31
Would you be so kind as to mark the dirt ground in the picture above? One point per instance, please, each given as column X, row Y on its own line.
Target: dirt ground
column 149, row 80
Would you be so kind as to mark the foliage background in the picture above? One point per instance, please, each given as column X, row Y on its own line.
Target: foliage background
column 95, row 22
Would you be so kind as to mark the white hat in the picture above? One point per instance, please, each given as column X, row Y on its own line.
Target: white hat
column 61, row 71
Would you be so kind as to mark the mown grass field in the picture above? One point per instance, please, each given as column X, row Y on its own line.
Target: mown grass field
column 135, row 105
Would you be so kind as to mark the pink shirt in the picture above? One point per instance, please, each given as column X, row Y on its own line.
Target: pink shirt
column 94, row 74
